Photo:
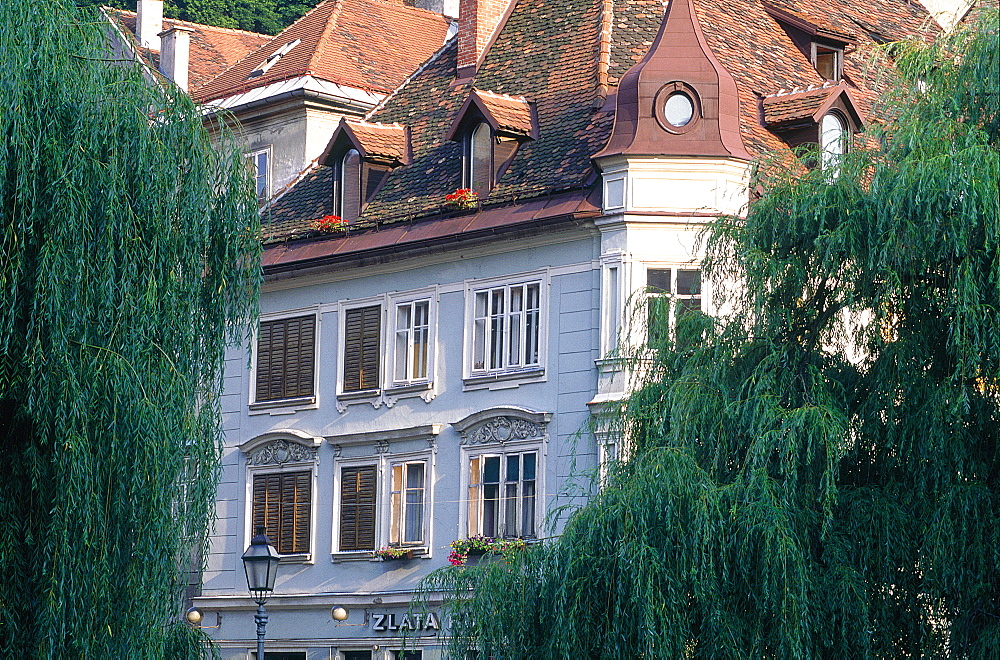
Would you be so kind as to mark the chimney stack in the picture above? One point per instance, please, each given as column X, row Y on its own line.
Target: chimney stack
column 478, row 20
column 149, row 23
column 175, row 52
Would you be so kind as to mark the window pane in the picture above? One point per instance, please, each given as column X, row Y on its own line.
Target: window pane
column 496, row 329
column 414, row 503
column 402, row 342
column 688, row 282
column 658, row 280
column 529, row 467
column 532, row 318
column 832, row 140
column 350, row 186
column 421, row 337
column 481, row 160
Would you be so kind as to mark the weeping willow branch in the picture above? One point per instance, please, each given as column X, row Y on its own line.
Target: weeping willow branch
column 130, row 254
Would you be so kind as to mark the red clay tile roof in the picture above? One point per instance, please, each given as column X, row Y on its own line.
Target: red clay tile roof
column 549, row 51
column 786, row 107
column 371, row 45
column 213, row 49
column 812, row 25
column 509, row 114
column 379, row 141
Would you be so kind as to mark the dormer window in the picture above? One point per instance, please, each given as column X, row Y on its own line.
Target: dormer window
column 490, row 127
column 362, row 155
column 273, row 58
column 829, row 61
column 821, row 117
column 479, row 159
column 347, row 195
column 833, row 141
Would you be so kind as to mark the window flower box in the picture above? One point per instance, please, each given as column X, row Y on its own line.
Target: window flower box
column 387, row 553
column 479, row 546
column 462, row 198
column 330, row 224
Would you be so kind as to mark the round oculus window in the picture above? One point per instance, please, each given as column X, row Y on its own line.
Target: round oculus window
column 678, row 109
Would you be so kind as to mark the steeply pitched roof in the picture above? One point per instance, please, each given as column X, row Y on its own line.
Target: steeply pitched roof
column 213, row 49
column 366, row 44
column 551, row 53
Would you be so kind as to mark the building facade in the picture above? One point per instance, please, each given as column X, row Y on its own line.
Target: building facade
column 447, row 283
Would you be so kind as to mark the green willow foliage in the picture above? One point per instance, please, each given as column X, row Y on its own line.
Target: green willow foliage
column 130, row 252
column 816, row 475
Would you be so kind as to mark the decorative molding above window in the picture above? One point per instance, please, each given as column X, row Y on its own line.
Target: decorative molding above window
column 281, row 447
column 382, row 440
column 502, row 425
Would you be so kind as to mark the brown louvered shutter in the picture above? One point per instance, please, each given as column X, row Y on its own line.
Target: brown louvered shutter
column 361, row 348
column 286, row 350
column 357, row 508
column 281, row 505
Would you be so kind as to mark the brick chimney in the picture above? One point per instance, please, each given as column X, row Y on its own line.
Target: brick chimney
column 478, row 20
column 175, row 51
column 149, row 23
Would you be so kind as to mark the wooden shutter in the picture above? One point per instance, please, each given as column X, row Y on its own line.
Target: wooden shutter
column 357, row 508
column 286, row 350
column 362, row 338
column 281, row 505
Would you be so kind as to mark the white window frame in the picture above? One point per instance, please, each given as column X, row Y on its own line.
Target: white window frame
column 402, row 461
column 384, row 460
column 394, row 301
column 675, row 297
column 282, row 406
column 291, row 466
column 251, row 156
column 613, row 296
column 534, row 371
column 833, row 149
column 535, row 445
column 389, row 390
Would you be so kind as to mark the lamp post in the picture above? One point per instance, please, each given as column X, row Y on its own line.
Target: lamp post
column 261, row 564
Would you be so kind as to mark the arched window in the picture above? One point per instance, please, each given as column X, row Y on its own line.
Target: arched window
column 479, row 174
column 833, row 141
column 349, row 186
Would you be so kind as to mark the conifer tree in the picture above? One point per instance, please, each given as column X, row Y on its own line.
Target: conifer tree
column 816, row 475
column 130, row 252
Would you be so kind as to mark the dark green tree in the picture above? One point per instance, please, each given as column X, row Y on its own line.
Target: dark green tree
column 264, row 16
column 130, row 253
column 816, row 475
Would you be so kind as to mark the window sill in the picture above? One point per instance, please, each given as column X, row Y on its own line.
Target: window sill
column 301, row 558
column 373, row 396
column 419, row 552
column 282, row 406
column 504, row 379
column 424, row 390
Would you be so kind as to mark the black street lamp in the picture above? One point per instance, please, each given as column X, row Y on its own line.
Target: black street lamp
column 261, row 564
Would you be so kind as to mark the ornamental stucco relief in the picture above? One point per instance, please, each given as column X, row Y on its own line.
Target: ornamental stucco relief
column 282, row 451
column 502, row 429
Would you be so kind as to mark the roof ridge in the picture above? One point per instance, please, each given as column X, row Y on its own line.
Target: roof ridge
column 827, row 84
column 328, row 26
column 351, row 120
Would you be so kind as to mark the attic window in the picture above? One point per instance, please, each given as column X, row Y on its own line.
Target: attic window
column 833, row 141
column 479, row 159
column 828, row 61
column 273, row 58
column 677, row 107
column 348, row 197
